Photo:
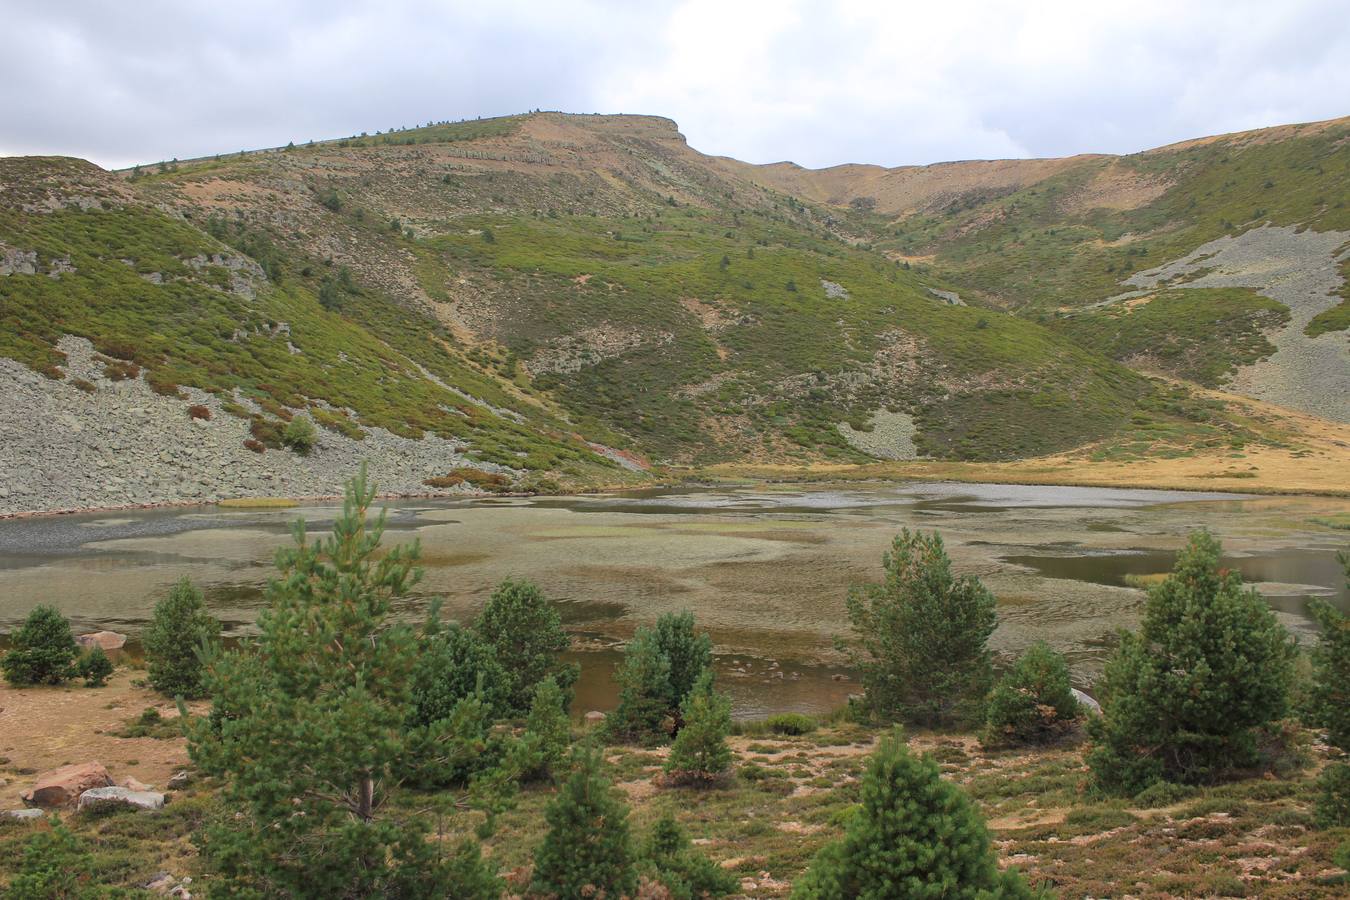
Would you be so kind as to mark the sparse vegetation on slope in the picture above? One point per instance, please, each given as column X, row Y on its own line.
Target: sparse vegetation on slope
column 543, row 288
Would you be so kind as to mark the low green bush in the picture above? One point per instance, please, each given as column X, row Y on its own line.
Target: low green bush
column 300, row 435
column 94, row 667
column 1033, row 702
column 790, row 724
column 42, row 651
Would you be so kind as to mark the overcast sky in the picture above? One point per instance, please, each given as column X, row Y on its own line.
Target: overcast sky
column 819, row 83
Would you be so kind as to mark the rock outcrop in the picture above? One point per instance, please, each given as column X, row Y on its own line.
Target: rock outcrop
column 95, row 797
column 108, row 640
column 64, row 786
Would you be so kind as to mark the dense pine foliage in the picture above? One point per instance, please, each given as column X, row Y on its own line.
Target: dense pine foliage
column 180, row 633
column 1184, row 697
column 42, row 651
column 920, row 638
column 914, row 835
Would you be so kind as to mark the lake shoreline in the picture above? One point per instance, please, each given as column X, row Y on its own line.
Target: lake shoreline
column 724, row 478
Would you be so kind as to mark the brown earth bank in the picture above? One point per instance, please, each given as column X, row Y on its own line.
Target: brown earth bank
column 1248, row 837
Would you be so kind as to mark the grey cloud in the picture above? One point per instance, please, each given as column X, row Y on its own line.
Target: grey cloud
column 820, row 83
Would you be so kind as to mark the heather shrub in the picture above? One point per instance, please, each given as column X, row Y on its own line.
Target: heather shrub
column 300, row 435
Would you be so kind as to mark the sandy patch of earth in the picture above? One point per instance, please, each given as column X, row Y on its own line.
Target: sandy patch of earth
column 42, row 728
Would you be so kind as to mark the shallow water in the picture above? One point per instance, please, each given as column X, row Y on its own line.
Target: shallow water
column 764, row 569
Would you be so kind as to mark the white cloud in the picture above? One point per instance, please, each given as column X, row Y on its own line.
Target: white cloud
column 818, row 82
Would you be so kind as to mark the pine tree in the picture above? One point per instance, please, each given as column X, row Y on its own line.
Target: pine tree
column 921, row 637
column 179, row 630
column 588, row 850
column 700, row 753
column 1331, row 809
column 689, row 653
column 307, row 729
column 1182, row 698
column 55, row 864
column 454, row 662
column 915, row 835
column 548, row 732
column 95, row 667
column 687, row 874
column 644, row 690
column 42, row 651
column 527, row 633
column 1331, row 705
column 661, row 666
column 1331, row 668
column 1034, row 701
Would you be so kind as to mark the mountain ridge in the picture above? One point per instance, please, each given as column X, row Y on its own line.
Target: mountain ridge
column 557, row 295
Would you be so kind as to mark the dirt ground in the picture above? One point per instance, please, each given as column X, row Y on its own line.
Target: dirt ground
column 45, row 727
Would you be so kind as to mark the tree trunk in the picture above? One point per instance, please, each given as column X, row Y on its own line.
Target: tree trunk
column 365, row 797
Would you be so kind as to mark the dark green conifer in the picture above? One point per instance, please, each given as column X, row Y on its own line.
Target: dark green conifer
column 644, row 690
column 700, row 754
column 661, row 665
column 42, row 651
column 179, row 630
column 527, row 633
column 308, row 730
column 915, row 835
column 1034, row 701
column 1182, row 698
column 669, row 858
column 1331, row 705
column 588, row 851
column 54, row 864
column 921, row 637
column 542, row 748
column 94, row 667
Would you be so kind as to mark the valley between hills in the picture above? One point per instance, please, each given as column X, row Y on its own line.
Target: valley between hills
column 552, row 302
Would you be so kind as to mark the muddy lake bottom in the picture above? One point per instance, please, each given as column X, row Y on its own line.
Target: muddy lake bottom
column 765, row 569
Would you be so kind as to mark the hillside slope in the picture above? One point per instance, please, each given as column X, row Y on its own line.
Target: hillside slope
column 565, row 298
column 1108, row 249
